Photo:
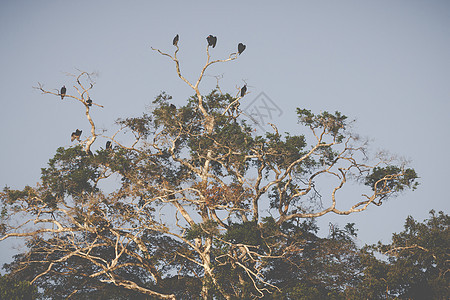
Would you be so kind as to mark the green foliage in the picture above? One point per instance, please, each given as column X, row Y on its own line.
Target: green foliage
column 13, row 289
column 300, row 291
column 332, row 123
column 244, row 233
column 207, row 229
column 184, row 287
column 13, row 195
column 140, row 126
column 316, row 268
column 348, row 232
column 386, row 179
column 418, row 262
column 284, row 153
column 70, row 172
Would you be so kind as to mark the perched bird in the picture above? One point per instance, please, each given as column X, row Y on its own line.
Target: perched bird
column 209, row 39
column 212, row 40
column 172, row 107
column 108, row 145
column 89, row 102
column 175, row 40
column 76, row 135
column 243, row 90
column 63, row 92
column 241, row 48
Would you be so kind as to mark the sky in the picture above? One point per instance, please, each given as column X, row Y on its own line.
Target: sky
column 384, row 63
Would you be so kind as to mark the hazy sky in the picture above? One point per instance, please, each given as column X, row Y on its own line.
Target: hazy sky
column 384, row 63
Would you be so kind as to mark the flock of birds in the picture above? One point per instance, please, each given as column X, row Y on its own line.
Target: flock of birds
column 212, row 41
column 76, row 135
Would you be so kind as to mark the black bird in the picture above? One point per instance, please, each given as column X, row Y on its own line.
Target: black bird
column 243, row 90
column 76, row 135
column 89, row 102
column 212, row 40
column 241, row 48
column 172, row 107
column 63, row 92
column 108, row 145
column 175, row 40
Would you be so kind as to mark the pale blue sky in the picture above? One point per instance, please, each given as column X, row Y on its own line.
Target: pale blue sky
column 385, row 63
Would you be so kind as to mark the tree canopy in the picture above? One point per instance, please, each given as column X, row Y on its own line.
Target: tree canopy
column 417, row 264
column 201, row 205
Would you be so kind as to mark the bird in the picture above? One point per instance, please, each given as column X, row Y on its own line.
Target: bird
column 63, row 92
column 172, row 107
column 175, row 40
column 243, row 90
column 76, row 135
column 212, row 40
column 89, row 102
column 241, row 48
column 108, row 145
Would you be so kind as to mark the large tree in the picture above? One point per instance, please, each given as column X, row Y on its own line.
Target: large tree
column 417, row 263
column 199, row 199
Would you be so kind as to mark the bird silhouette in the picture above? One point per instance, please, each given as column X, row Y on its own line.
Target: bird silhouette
column 241, row 48
column 76, row 135
column 89, row 102
column 63, row 92
column 243, row 90
column 212, row 40
column 175, row 40
column 108, row 145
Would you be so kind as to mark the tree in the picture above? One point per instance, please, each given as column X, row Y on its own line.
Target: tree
column 417, row 265
column 322, row 270
column 202, row 200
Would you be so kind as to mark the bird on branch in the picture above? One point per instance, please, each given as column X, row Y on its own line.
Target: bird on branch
column 243, row 90
column 212, row 40
column 63, row 92
column 76, row 135
column 241, row 48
